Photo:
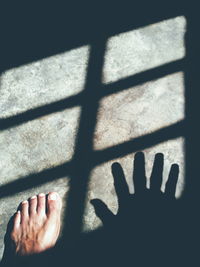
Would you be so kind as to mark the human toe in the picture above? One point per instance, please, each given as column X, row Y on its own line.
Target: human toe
column 54, row 203
column 41, row 208
column 32, row 205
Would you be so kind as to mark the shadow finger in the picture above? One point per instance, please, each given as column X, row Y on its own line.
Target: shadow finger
column 157, row 172
column 139, row 177
column 102, row 211
column 121, row 186
column 170, row 188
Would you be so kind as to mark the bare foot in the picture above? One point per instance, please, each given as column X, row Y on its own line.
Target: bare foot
column 37, row 225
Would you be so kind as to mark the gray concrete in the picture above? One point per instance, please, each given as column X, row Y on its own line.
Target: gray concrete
column 49, row 140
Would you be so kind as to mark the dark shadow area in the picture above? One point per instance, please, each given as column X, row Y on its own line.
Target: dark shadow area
column 148, row 229
column 31, row 31
column 156, row 231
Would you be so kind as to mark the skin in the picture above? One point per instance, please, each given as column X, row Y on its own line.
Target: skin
column 36, row 225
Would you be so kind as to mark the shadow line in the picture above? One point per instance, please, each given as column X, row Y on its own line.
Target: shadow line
column 93, row 159
column 38, row 112
column 140, row 143
column 83, row 155
column 106, row 90
column 35, row 179
column 143, row 77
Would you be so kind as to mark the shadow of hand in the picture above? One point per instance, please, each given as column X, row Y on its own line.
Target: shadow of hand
column 144, row 200
column 147, row 218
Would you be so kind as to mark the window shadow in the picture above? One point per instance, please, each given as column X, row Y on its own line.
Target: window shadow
column 92, row 246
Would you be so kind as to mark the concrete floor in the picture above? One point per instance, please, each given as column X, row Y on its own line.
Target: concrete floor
column 49, row 141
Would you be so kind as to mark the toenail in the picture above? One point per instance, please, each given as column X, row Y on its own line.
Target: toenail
column 41, row 195
column 25, row 202
column 53, row 196
column 33, row 197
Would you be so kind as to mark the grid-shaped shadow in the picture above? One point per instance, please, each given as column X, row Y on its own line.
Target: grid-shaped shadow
column 85, row 158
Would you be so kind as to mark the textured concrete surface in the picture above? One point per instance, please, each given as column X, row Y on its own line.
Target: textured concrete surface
column 49, row 141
